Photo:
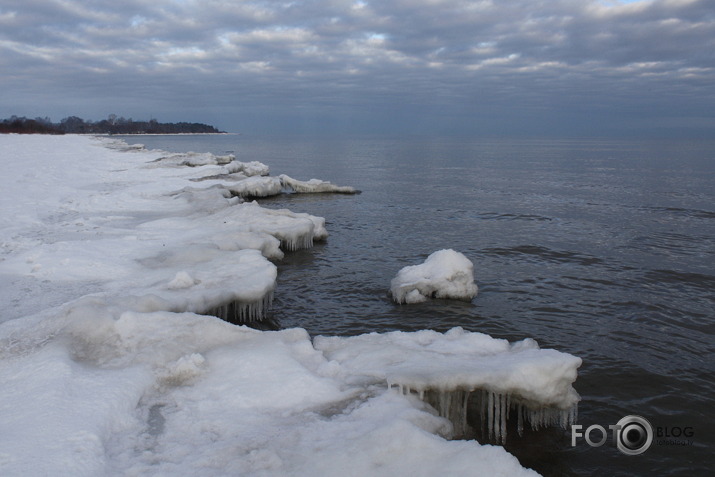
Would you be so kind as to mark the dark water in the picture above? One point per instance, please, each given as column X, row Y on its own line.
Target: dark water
column 603, row 249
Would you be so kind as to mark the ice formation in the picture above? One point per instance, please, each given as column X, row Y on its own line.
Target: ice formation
column 114, row 232
column 256, row 186
column 314, row 186
column 109, row 369
column 250, row 169
column 445, row 274
column 445, row 369
column 194, row 159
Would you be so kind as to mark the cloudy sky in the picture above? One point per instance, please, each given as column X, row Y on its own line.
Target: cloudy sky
column 491, row 67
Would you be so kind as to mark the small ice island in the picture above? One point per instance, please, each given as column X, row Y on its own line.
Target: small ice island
column 445, row 274
column 127, row 279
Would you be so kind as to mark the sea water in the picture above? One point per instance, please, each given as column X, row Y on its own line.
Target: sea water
column 604, row 249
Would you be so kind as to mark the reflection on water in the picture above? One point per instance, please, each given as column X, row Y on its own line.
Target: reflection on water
column 602, row 249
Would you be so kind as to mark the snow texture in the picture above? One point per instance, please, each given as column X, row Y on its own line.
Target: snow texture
column 112, row 363
column 445, row 274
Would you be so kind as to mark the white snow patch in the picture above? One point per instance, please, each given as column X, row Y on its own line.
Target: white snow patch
column 445, row 274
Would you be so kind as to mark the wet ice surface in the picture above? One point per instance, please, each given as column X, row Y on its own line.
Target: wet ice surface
column 129, row 375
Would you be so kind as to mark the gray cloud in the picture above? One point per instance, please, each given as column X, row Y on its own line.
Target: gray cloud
column 571, row 66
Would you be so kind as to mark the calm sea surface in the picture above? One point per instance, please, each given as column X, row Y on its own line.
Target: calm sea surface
column 603, row 249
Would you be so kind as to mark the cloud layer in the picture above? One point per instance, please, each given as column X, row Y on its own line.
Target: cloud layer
column 575, row 66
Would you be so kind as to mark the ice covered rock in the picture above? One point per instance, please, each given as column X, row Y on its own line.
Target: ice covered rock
column 314, row 186
column 446, row 369
column 445, row 274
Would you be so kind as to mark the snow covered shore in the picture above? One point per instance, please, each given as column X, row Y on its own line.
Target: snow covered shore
column 112, row 260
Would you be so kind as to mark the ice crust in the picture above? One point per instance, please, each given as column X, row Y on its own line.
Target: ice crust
column 444, row 274
column 112, row 268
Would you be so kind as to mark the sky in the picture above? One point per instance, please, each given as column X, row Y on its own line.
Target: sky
column 492, row 68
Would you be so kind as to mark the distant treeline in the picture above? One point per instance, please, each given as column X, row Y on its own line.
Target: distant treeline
column 111, row 125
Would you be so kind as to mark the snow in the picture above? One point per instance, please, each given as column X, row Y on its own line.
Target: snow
column 444, row 274
column 113, row 266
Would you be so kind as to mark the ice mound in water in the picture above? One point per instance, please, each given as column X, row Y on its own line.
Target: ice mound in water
column 314, row 186
column 445, row 274
column 447, row 369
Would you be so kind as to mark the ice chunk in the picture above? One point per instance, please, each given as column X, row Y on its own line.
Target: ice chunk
column 194, row 159
column 256, row 186
column 253, row 168
column 314, row 186
column 445, row 274
column 294, row 230
column 444, row 369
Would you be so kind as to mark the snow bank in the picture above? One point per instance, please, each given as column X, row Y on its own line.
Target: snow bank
column 314, row 186
column 445, row 274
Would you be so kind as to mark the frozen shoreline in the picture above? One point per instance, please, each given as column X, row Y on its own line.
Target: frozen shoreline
column 107, row 255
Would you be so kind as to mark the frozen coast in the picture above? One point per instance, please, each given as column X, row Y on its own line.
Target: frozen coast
column 116, row 264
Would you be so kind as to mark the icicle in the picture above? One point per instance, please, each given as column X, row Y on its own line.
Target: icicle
column 463, row 416
column 239, row 312
column 504, row 409
column 483, row 410
column 494, row 410
column 520, row 420
column 490, row 415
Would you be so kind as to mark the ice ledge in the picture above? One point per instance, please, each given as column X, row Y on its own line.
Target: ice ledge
column 447, row 370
